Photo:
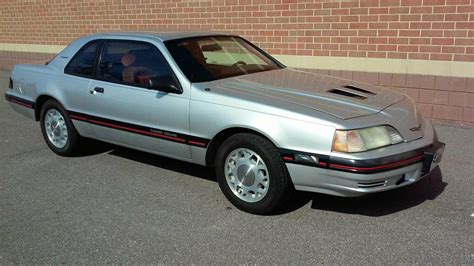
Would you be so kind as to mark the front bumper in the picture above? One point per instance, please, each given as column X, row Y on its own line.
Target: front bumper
column 356, row 176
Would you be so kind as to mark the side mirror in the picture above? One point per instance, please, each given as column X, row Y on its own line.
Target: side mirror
column 166, row 83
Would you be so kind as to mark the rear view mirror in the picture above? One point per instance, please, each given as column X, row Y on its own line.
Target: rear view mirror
column 211, row 48
column 166, row 83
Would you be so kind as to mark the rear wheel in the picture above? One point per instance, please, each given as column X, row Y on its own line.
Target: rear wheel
column 251, row 174
column 58, row 130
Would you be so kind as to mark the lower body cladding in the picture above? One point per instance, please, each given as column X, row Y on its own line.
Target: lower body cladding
column 350, row 181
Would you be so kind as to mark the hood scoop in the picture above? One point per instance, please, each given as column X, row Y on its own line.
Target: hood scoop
column 351, row 91
column 358, row 89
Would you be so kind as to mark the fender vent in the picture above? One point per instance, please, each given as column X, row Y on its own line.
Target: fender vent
column 347, row 94
column 358, row 89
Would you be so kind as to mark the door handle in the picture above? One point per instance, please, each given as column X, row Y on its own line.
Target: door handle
column 97, row 90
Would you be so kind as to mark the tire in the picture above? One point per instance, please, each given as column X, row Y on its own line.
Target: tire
column 263, row 187
column 68, row 146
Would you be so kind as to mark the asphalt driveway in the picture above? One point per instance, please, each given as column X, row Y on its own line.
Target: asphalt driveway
column 116, row 205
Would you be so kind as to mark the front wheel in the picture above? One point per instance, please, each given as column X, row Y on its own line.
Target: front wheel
column 58, row 130
column 251, row 174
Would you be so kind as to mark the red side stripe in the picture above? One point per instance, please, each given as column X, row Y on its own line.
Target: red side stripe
column 390, row 165
column 78, row 117
column 21, row 103
column 197, row 143
column 137, row 130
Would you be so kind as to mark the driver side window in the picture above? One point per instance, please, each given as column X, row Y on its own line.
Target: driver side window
column 132, row 63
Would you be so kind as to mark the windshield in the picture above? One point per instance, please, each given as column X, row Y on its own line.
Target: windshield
column 215, row 57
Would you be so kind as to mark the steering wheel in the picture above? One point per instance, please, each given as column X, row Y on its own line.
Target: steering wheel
column 239, row 63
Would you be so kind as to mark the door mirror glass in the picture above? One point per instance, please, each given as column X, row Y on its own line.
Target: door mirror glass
column 165, row 83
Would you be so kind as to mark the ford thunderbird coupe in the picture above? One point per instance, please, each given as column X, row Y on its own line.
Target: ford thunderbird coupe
column 218, row 100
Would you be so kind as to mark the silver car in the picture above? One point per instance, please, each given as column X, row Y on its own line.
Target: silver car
column 218, row 100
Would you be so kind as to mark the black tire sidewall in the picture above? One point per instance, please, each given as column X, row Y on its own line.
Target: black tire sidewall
column 279, row 186
column 68, row 149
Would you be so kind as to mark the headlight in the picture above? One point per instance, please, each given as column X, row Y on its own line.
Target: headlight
column 365, row 139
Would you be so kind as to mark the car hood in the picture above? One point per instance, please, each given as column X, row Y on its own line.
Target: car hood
column 341, row 98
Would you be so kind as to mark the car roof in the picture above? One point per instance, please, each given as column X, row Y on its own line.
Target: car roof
column 160, row 35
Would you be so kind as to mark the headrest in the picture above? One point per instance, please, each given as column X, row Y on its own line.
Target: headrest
column 128, row 59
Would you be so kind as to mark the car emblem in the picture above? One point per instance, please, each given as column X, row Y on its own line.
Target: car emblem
column 418, row 128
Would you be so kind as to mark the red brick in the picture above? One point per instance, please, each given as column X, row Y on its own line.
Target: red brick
column 378, row 10
column 425, row 109
column 430, row 49
column 408, row 48
column 448, row 112
column 468, row 114
column 413, row 81
column 453, row 49
column 350, row 4
column 457, row 99
column 441, row 97
column 466, row 25
column 431, row 33
column 420, row 40
column 470, row 85
column 410, row 33
column 385, row 79
column 464, row 57
column 369, row 3
column 357, row 54
column 465, row 9
column 421, row 10
column 456, row 17
column 397, row 55
column 444, row 9
column 335, row 73
column 455, row 33
column 390, row 3
column 411, row 2
column 427, row 81
column 433, row 2
column 458, row 84
column 426, row 96
column 442, row 41
column 419, row 56
column 413, row 94
column 398, row 40
column 346, row 74
column 433, row 17
column 457, row 2
column 358, row 76
column 398, row 80
column 441, row 57
column 399, row 10
column 443, row 83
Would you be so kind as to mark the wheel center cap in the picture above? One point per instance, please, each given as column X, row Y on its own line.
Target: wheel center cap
column 245, row 175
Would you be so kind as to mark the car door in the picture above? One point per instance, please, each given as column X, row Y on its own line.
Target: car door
column 124, row 111
column 75, row 83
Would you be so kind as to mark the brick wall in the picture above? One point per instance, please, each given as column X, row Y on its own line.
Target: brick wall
column 415, row 29
column 427, row 30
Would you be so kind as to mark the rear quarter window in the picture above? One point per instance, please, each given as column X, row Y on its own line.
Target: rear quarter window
column 82, row 64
